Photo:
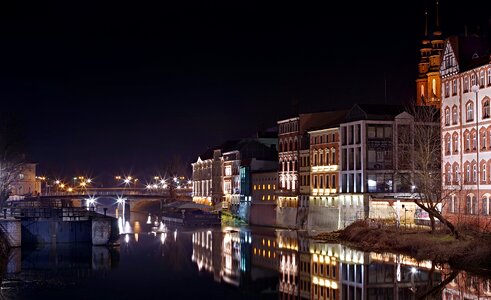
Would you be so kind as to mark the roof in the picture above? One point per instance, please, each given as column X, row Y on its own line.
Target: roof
column 332, row 119
column 470, row 51
column 374, row 112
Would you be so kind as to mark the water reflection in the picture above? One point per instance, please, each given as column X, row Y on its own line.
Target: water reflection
column 230, row 262
column 309, row 269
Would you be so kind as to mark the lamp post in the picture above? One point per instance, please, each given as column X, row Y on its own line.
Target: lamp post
column 475, row 89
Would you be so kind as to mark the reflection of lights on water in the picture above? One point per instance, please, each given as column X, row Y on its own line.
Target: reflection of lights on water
column 162, row 227
column 175, row 235
column 149, row 220
column 163, row 237
column 120, row 225
column 137, row 227
column 414, row 270
column 127, row 238
column 136, row 237
column 127, row 227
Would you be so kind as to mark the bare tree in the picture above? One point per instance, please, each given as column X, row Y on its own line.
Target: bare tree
column 422, row 155
column 12, row 154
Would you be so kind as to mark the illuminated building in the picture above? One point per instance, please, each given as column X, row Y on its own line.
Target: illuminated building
column 323, row 178
column 263, row 195
column 466, row 130
column 292, row 138
column 428, row 83
column 466, row 286
column 26, row 182
column 376, row 173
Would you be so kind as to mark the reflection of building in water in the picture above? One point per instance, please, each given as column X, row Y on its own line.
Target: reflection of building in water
column 467, row 286
column 264, row 251
column 57, row 265
column 288, row 263
column 202, row 250
column 234, row 260
column 324, row 267
column 383, row 276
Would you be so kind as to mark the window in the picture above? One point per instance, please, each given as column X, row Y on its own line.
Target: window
column 467, row 141
column 481, row 79
column 455, row 143
column 333, row 157
column 474, row 173
column 474, row 141
column 470, row 207
column 468, row 173
column 447, row 89
column 485, row 109
column 489, row 76
column 447, row 144
column 228, row 170
column 466, row 84
column 473, row 80
column 455, row 117
column 453, row 204
column 456, row 173
column 486, row 205
column 447, row 116
column 470, row 111
column 454, row 87
column 483, row 176
column 483, row 140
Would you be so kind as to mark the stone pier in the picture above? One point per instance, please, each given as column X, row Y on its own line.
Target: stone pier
column 12, row 229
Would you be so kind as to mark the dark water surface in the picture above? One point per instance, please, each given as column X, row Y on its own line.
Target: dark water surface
column 227, row 263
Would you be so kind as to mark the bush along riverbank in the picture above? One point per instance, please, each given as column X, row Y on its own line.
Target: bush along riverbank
column 472, row 252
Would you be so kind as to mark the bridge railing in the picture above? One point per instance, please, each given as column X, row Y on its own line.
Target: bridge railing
column 64, row 213
column 113, row 191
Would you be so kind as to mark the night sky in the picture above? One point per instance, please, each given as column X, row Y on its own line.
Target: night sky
column 107, row 88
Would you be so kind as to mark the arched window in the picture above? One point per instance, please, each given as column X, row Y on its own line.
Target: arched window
column 455, row 116
column 481, row 79
column 321, row 158
column 422, row 92
column 474, row 173
column 484, row 143
column 433, row 86
column 486, row 205
column 447, row 116
column 485, row 109
column 447, row 144
column 470, row 112
column 483, row 173
column 468, row 173
column 474, row 140
column 469, row 205
column 466, row 84
column 453, row 204
column 456, row 176
column 467, row 141
column 334, row 161
column 455, row 142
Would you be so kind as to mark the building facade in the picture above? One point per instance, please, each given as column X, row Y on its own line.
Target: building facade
column 263, row 203
column 376, row 179
column 466, row 131
column 26, row 182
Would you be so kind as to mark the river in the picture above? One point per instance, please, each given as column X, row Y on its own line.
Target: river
column 227, row 263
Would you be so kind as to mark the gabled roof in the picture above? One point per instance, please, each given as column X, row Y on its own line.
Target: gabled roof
column 331, row 119
column 470, row 51
column 374, row 112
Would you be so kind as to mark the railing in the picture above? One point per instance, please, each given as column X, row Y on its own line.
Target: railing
column 62, row 213
column 116, row 191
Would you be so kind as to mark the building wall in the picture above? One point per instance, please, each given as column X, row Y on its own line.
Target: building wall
column 202, row 181
column 263, row 204
column 466, row 147
column 26, row 183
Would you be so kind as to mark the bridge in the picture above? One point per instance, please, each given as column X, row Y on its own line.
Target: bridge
column 121, row 192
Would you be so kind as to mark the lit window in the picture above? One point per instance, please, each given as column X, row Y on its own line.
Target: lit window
column 454, row 115
column 447, row 116
column 485, row 109
column 269, row 186
column 470, row 111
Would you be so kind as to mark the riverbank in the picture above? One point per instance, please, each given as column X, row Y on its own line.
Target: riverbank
column 471, row 253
